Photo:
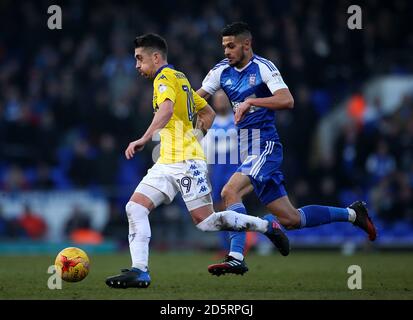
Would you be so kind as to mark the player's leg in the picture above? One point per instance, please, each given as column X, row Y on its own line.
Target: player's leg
column 137, row 210
column 253, row 174
column 238, row 186
column 196, row 192
column 232, row 194
column 147, row 196
column 207, row 220
column 316, row 215
column 199, row 204
column 218, row 179
column 232, row 243
column 268, row 183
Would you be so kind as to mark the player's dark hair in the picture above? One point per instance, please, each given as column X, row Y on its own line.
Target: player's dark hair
column 236, row 29
column 152, row 41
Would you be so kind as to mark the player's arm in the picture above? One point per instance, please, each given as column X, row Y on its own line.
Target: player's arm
column 203, row 94
column 281, row 99
column 160, row 120
column 204, row 119
column 281, row 96
column 205, row 115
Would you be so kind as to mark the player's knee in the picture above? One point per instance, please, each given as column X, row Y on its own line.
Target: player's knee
column 129, row 209
column 135, row 211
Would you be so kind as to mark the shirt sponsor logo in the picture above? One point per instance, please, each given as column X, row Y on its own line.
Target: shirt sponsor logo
column 277, row 77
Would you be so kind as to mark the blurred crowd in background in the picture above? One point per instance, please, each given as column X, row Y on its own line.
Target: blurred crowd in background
column 71, row 99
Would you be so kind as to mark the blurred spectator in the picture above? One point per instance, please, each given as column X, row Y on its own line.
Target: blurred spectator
column 78, row 228
column 47, row 138
column 117, row 225
column 32, row 223
column 356, row 108
column 43, row 180
column 169, row 226
column 10, row 228
column 82, row 169
column 380, row 163
column 4, row 225
column 86, row 236
column 20, row 136
column 301, row 194
column 77, row 220
column 373, row 113
column 107, row 161
column 14, row 180
column 328, row 192
column 392, row 198
column 348, row 155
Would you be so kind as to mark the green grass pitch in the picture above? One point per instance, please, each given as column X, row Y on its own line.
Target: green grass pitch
column 302, row 275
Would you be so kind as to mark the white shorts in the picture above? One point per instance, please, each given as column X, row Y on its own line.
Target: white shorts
column 164, row 181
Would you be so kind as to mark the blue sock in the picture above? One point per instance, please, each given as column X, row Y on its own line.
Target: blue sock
column 237, row 238
column 312, row 216
column 224, row 240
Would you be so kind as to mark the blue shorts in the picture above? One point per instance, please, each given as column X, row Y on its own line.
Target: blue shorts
column 263, row 171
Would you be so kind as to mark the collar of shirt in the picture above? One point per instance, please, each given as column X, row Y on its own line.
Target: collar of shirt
column 163, row 67
column 246, row 66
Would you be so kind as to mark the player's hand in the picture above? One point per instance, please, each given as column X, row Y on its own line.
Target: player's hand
column 242, row 110
column 133, row 147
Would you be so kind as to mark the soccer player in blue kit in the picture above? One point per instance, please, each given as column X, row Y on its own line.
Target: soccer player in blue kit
column 256, row 90
column 221, row 148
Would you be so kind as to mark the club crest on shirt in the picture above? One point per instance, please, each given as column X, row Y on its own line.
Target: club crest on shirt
column 252, row 79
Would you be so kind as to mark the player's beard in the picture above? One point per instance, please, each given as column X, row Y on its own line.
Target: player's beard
column 238, row 63
column 146, row 75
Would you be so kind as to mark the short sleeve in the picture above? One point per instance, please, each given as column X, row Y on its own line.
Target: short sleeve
column 272, row 77
column 164, row 89
column 211, row 83
column 200, row 102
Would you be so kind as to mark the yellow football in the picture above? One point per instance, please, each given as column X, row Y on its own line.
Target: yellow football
column 72, row 264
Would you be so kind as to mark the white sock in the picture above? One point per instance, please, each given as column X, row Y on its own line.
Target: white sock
column 139, row 234
column 232, row 221
column 236, row 255
column 351, row 215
